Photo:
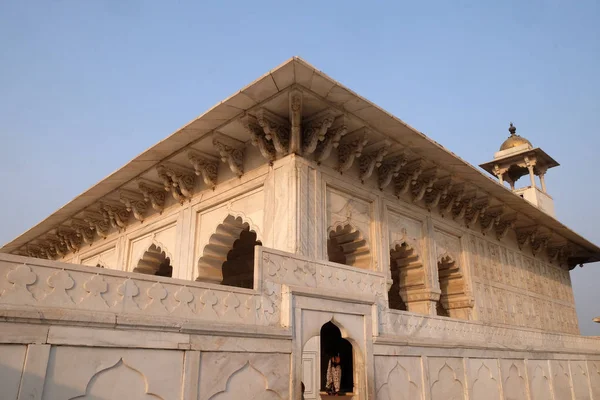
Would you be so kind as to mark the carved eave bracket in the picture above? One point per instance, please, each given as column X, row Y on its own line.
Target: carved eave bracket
column 372, row 158
column 83, row 230
column 97, row 222
column 178, row 181
column 477, row 209
column 315, row 130
column 332, row 140
column 231, row 152
column 425, row 183
column 504, row 225
column 153, row 194
column 276, row 129
column 134, row 203
column 491, row 218
column 352, row 149
column 540, row 242
column 526, row 235
column 438, row 192
column 390, row 169
column 453, row 197
column 460, row 208
column 258, row 139
column 117, row 216
column 205, row 166
column 54, row 246
column 408, row 176
column 69, row 238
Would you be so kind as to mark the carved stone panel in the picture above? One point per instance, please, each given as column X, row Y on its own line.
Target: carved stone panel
column 99, row 373
column 594, row 371
column 561, row 379
column 581, row 380
column 398, row 378
column 232, row 376
column 539, row 380
column 105, row 258
column 484, row 379
column 514, row 381
column 13, row 357
column 447, row 378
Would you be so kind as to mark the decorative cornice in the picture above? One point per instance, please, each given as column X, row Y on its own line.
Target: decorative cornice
column 390, row 169
column 477, row 208
column 425, row 183
column 491, row 218
column 408, row 176
column 372, row 159
column 454, row 196
column 352, row 149
column 69, row 238
column 526, row 235
column 257, row 138
column 231, row 152
column 276, row 129
column 315, row 130
column 153, row 194
column 97, row 222
column 438, row 192
column 134, row 202
column 178, row 181
column 204, row 166
column 332, row 140
column 117, row 216
column 504, row 225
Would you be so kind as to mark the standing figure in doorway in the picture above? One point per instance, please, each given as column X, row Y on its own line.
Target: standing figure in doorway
column 334, row 375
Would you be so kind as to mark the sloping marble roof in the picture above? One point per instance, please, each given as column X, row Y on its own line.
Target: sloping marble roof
column 296, row 71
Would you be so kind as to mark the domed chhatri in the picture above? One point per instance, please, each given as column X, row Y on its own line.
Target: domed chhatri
column 514, row 140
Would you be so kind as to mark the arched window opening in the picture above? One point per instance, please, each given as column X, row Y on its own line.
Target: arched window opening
column 454, row 301
column 154, row 262
column 333, row 344
column 228, row 258
column 408, row 277
column 347, row 246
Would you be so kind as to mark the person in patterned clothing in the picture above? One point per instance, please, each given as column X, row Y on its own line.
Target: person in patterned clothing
column 334, row 375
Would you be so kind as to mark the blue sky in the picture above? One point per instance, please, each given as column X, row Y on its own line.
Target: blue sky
column 87, row 85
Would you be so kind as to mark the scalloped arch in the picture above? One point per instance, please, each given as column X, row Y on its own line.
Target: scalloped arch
column 223, row 241
column 346, row 245
column 143, row 395
column 152, row 260
column 247, row 383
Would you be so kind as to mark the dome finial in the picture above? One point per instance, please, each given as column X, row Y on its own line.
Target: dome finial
column 512, row 129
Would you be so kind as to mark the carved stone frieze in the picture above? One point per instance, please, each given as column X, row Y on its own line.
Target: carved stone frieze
column 276, row 129
column 178, row 181
column 258, row 139
column 206, row 167
column 332, row 140
column 423, row 184
column 231, row 152
column 389, row 170
column 315, row 130
column 352, row 149
column 134, row 203
column 408, row 176
column 153, row 194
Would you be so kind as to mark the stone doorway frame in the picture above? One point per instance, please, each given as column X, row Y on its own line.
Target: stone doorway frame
column 306, row 310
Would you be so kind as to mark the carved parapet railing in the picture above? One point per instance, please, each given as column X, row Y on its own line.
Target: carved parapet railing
column 416, row 328
column 52, row 291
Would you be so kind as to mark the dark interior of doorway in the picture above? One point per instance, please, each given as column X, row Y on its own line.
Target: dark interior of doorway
column 332, row 343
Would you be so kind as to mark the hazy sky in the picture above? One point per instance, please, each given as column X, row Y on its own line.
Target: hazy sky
column 87, row 85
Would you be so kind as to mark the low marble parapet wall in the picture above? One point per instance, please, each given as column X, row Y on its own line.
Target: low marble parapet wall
column 52, row 291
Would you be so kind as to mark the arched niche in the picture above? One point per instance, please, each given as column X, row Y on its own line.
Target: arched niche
column 154, row 262
column 408, row 278
column 454, row 301
column 228, row 258
column 346, row 245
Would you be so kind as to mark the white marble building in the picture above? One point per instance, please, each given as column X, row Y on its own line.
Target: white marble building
column 222, row 263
